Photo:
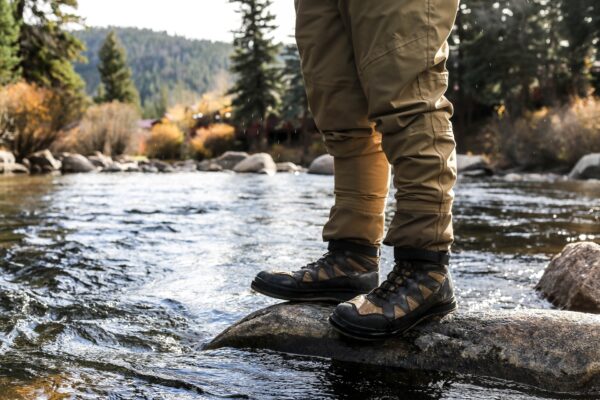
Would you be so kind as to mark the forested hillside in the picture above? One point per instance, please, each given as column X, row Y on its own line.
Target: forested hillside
column 161, row 64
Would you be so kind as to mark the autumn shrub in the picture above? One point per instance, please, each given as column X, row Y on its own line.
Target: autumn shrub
column 212, row 141
column 28, row 118
column 550, row 138
column 165, row 142
column 108, row 128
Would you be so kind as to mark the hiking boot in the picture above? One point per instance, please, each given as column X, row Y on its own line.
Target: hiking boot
column 347, row 270
column 418, row 288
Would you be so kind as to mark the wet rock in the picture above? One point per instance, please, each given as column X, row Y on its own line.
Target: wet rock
column 230, row 159
column 468, row 164
column 131, row 167
column 209, row 166
column 114, row 167
column 572, row 279
column 100, row 160
column 531, row 177
column 554, row 350
column 587, row 168
column 322, row 165
column 149, row 169
column 162, row 166
column 43, row 161
column 76, row 163
column 6, row 157
column 186, row 166
column 289, row 167
column 17, row 168
column 260, row 163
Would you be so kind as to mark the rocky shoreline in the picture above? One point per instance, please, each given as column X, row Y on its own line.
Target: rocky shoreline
column 472, row 166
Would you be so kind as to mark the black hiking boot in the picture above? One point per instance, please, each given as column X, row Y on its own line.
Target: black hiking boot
column 346, row 271
column 418, row 288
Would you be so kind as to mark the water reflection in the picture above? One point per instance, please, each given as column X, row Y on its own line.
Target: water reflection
column 110, row 284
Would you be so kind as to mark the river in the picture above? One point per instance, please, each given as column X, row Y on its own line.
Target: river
column 111, row 284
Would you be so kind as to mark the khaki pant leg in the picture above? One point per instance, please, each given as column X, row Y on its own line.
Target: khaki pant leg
column 340, row 108
column 401, row 51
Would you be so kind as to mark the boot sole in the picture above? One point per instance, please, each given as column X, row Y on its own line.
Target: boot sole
column 335, row 296
column 433, row 314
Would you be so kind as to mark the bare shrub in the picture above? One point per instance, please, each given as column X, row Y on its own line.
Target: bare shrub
column 554, row 138
column 108, row 128
column 165, row 142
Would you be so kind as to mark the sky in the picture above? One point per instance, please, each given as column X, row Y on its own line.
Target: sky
column 196, row 19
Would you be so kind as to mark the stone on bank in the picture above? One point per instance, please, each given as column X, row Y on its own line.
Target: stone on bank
column 43, row 161
column 572, row 279
column 322, row 165
column 260, row 163
column 76, row 163
column 552, row 350
column 587, row 168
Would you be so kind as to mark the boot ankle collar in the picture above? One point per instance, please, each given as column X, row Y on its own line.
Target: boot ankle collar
column 412, row 254
column 343, row 245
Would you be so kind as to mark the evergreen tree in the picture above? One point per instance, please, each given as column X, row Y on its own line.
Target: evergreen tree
column 9, row 37
column 115, row 74
column 254, row 65
column 47, row 50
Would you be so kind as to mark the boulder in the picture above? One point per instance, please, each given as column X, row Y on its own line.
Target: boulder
column 260, row 163
column 230, row 159
column 572, row 279
column 186, row 166
column 162, row 166
column 209, row 166
column 43, row 161
column 6, row 157
column 114, row 168
column 100, row 160
column 131, row 167
column 322, row 165
column 149, row 169
column 468, row 164
column 288, row 167
column 587, row 168
column 553, row 350
column 17, row 168
column 76, row 163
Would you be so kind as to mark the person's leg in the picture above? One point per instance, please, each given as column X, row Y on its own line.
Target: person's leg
column 356, row 224
column 401, row 51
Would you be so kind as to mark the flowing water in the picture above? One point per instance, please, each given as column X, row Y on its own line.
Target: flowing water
column 111, row 284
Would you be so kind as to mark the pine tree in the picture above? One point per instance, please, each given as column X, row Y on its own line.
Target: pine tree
column 115, row 74
column 9, row 37
column 47, row 50
column 254, row 65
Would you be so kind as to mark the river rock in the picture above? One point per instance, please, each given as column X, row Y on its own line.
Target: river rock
column 76, row 163
column 322, row 165
column 260, row 163
column 162, row 166
column 230, row 159
column 209, row 166
column 572, row 279
column 587, row 168
column 553, row 350
column 43, row 161
column 186, row 166
column 289, row 167
column 100, row 160
column 470, row 165
column 6, row 157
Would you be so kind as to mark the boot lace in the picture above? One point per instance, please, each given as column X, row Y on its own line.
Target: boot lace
column 326, row 260
column 395, row 279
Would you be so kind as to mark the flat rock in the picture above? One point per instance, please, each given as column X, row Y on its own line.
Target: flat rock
column 587, row 168
column 17, row 168
column 260, row 163
column 572, row 279
column 549, row 349
column 76, row 163
column 230, row 159
column 322, row 165
column 209, row 166
column 100, row 160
